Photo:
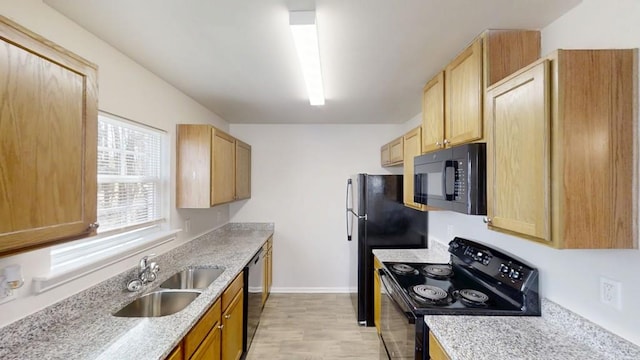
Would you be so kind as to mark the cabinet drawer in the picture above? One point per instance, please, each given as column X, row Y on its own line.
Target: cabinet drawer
column 201, row 329
column 232, row 290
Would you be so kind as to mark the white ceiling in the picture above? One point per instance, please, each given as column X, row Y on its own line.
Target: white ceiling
column 236, row 57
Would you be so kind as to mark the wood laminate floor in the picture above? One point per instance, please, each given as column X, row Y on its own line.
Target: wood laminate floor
column 312, row 327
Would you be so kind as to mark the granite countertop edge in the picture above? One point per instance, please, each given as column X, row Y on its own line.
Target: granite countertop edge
column 557, row 334
column 82, row 327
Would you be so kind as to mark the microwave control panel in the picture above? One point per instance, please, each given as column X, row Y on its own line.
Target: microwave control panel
column 459, row 185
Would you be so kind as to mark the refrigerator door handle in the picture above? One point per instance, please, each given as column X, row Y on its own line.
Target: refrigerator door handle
column 349, row 210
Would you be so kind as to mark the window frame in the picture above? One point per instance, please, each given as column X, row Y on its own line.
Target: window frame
column 78, row 258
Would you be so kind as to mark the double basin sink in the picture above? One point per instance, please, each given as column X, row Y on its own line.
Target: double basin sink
column 173, row 295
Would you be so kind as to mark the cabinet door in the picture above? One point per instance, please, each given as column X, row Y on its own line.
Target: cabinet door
column 396, row 151
column 243, row 170
column 376, row 295
column 222, row 170
column 384, row 155
column 433, row 114
column 412, row 148
column 210, row 347
column 463, row 98
column 193, row 166
column 232, row 329
column 48, row 132
column 176, row 354
column 518, row 154
column 436, row 352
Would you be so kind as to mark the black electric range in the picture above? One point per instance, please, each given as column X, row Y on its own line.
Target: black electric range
column 478, row 280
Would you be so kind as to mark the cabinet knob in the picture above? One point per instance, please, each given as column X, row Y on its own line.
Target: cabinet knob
column 220, row 327
column 486, row 220
column 228, row 316
column 438, row 144
column 94, row 226
column 446, row 141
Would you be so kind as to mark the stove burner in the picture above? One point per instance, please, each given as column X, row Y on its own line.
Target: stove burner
column 473, row 297
column 438, row 271
column 428, row 292
column 404, row 269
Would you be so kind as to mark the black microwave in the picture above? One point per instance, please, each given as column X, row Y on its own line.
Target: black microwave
column 453, row 179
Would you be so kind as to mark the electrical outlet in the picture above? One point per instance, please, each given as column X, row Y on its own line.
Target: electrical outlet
column 187, row 225
column 611, row 293
column 450, row 232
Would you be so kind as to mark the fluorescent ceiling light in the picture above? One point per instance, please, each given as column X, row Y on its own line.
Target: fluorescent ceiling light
column 305, row 38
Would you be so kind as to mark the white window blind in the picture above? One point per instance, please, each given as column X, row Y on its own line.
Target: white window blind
column 128, row 175
column 132, row 196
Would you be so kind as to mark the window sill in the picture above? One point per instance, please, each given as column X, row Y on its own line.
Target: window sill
column 53, row 280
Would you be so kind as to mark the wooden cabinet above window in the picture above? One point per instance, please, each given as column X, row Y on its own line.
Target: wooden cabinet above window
column 49, row 113
column 212, row 167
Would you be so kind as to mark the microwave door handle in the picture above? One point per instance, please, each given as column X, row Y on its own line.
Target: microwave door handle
column 449, row 182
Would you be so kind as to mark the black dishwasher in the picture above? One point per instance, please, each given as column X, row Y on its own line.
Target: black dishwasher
column 254, row 272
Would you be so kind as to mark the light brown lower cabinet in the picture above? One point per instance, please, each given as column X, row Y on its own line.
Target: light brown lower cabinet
column 176, row 354
column 377, row 301
column 218, row 333
column 232, row 319
column 436, row 352
column 267, row 249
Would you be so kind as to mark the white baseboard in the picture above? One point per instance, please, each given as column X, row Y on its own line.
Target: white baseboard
column 312, row 290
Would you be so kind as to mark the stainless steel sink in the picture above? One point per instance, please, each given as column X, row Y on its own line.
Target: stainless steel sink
column 159, row 303
column 192, row 278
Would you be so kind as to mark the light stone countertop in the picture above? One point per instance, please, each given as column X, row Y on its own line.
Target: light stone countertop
column 82, row 327
column 557, row 334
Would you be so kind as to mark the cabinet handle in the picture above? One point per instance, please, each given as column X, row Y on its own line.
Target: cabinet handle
column 94, row 226
column 228, row 316
column 486, row 220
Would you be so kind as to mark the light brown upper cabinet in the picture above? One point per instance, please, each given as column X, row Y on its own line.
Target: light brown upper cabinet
column 518, row 168
column 452, row 102
column 433, row 114
column 48, row 121
column 392, row 153
column 209, row 171
column 412, row 148
column 243, row 170
column 560, row 150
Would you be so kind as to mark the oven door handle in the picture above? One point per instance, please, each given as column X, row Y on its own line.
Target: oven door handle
column 398, row 303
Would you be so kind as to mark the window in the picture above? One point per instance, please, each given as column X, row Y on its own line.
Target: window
column 129, row 180
column 132, row 204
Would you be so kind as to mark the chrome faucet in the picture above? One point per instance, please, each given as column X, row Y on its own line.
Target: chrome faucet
column 147, row 273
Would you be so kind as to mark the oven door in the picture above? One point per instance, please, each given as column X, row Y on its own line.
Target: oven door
column 397, row 322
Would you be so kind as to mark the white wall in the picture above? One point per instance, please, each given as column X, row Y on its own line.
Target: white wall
column 571, row 277
column 299, row 175
column 125, row 89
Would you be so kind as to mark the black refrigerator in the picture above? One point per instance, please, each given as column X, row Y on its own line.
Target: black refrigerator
column 377, row 219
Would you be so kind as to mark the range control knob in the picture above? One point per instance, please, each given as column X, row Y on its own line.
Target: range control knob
column 515, row 274
column 504, row 269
